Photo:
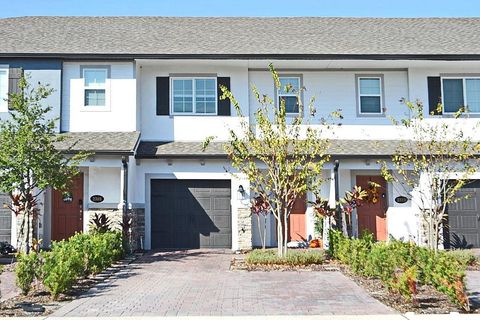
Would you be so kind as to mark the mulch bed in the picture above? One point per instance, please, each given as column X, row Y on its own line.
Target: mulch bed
column 427, row 300
column 39, row 302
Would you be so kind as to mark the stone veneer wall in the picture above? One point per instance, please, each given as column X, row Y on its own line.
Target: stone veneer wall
column 244, row 228
column 115, row 217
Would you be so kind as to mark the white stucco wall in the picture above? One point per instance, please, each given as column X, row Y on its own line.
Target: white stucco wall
column 106, row 182
column 184, row 127
column 120, row 112
column 50, row 77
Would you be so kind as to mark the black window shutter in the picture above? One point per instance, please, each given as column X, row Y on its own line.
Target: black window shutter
column 14, row 75
column 434, row 94
column 163, row 96
column 223, row 105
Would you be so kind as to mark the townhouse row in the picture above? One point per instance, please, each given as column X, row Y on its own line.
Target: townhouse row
column 144, row 103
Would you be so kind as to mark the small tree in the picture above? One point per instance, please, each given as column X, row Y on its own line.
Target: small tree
column 29, row 161
column 281, row 157
column 433, row 164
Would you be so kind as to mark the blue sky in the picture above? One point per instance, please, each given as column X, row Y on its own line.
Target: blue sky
column 343, row 8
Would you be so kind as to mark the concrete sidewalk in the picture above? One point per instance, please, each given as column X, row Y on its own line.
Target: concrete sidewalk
column 453, row 316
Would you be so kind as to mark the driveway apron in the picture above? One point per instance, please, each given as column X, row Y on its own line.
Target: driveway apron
column 199, row 282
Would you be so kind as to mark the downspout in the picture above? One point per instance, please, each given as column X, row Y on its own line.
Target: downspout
column 125, row 185
column 338, row 211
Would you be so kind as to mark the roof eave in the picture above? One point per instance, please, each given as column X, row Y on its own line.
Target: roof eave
column 130, row 56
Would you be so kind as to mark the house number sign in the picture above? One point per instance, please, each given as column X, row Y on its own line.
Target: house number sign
column 401, row 199
column 97, row 198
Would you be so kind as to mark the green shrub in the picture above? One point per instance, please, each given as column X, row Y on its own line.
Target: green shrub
column 400, row 266
column 79, row 256
column 464, row 257
column 293, row 257
column 62, row 267
column 27, row 270
column 405, row 283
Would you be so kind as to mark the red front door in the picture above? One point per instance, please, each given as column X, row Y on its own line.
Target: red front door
column 372, row 216
column 67, row 210
column 296, row 229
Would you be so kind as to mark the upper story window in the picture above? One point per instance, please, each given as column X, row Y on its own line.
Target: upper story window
column 370, row 95
column 194, row 95
column 3, row 89
column 461, row 92
column 288, row 92
column 95, row 86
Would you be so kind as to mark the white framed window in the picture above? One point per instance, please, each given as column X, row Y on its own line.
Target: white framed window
column 196, row 95
column 458, row 92
column 370, row 95
column 95, row 87
column 3, row 89
column 288, row 92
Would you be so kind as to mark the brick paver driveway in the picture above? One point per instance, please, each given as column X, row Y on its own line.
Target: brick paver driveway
column 199, row 282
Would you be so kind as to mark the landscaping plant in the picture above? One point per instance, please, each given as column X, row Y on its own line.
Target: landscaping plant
column 403, row 266
column 69, row 260
column 29, row 160
column 433, row 165
column 292, row 258
column 281, row 156
column 100, row 223
column 27, row 270
column 260, row 207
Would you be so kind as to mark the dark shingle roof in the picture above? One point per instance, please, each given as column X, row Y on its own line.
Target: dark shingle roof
column 344, row 148
column 239, row 36
column 100, row 142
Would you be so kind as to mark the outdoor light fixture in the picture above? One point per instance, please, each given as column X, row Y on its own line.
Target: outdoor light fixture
column 241, row 190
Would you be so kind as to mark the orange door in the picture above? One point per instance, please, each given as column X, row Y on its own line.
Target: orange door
column 296, row 228
column 67, row 210
column 372, row 216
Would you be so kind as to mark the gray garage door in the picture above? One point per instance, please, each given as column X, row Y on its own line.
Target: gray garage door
column 191, row 214
column 464, row 219
column 5, row 219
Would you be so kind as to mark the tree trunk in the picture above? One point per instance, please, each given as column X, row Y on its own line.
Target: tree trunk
column 27, row 237
column 285, row 231
column 264, row 231
column 279, row 238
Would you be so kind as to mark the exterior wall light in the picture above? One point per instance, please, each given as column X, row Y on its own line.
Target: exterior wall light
column 241, row 191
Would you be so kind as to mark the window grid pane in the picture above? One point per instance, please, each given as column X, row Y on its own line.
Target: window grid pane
column 370, row 86
column 291, row 103
column 95, row 97
column 182, row 96
column 285, row 81
column 452, row 94
column 473, row 95
column 370, row 104
column 205, row 96
column 95, row 77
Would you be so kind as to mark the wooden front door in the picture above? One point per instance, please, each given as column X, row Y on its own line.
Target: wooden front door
column 67, row 210
column 372, row 216
column 296, row 228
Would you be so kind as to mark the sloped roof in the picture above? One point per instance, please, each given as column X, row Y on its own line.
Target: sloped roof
column 100, row 142
column 229, row 37
column 343, row 148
